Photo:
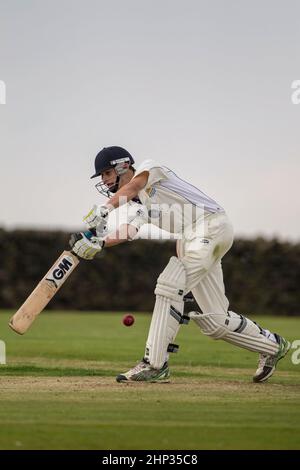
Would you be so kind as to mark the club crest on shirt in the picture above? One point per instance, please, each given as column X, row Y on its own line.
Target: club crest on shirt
column 151, row 191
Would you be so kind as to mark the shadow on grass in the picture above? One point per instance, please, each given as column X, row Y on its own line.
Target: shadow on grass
column 35, row 371
column 38, row 371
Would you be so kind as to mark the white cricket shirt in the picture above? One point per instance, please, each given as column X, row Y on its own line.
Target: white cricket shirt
column 172, row 203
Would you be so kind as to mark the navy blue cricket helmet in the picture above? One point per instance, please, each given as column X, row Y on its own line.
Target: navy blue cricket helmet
column 111, row 157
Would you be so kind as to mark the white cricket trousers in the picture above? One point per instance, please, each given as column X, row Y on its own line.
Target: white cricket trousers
column 201, row 251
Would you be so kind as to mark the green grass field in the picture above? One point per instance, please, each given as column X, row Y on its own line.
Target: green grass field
column 58, row 389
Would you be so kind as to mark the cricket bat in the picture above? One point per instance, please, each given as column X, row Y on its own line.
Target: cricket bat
column 44, row 291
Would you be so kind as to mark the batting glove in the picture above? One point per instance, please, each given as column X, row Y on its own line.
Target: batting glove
column 97, row 218
column 85, row 247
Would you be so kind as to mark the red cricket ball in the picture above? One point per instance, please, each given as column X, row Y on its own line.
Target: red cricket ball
column 128, row 320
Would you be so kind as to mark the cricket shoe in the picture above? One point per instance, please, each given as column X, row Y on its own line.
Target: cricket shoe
column 267, row 363
column 143, row 372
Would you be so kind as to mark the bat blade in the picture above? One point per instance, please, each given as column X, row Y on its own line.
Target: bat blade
column 43, row 293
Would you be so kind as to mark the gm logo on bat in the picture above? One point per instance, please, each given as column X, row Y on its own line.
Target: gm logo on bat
column 59, row 272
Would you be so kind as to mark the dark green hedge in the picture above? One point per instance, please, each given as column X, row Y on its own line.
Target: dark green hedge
column 261, row 276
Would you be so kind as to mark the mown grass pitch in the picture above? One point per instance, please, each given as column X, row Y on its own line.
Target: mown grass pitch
column 58, row 389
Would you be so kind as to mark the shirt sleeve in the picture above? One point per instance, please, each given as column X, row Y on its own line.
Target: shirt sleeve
column 156, row 172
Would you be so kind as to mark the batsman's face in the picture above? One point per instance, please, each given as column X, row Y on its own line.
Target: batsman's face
column 109, row 177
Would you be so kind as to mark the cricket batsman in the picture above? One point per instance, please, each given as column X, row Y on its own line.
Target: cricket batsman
column 155, row 194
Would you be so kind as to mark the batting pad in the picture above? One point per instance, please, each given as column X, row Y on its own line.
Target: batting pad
column 168, row 312
column 235, row 329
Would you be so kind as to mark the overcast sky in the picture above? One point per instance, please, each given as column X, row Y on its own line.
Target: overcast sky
column 203, row 87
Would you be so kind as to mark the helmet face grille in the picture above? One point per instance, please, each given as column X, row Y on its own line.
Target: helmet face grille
column 105, row 190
